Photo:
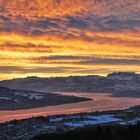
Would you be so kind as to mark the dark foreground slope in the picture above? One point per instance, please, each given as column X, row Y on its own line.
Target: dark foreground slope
column 131, row 132
column 119, row 124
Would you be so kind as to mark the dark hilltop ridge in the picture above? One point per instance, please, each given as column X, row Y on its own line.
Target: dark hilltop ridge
column 13, row 99
column 118, row 83
column 103, row 132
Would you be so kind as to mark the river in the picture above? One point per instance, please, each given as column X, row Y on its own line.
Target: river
column 101, row 102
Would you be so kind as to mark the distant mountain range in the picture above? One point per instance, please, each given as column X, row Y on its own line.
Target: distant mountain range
column 119, row 83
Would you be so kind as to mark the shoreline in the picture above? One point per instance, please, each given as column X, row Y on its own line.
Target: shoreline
column 14, row 109
column 66, row 122
column 100, row 103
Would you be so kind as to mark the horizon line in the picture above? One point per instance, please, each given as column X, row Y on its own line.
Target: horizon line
column 65, row 76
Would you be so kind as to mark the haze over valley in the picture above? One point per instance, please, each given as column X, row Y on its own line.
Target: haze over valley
column 118, row 83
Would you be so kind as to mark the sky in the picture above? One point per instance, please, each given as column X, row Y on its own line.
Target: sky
column 68, row 37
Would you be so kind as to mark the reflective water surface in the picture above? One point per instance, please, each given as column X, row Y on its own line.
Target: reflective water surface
column 101, row 102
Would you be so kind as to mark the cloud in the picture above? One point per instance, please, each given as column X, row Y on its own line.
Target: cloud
column 41, row 8
column 64, row 37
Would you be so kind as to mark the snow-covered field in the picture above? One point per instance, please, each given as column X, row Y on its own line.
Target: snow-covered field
column 93, row 120
column 30, row 95
column 5, row 98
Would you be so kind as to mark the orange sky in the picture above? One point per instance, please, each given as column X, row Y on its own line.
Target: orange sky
column 62, row 37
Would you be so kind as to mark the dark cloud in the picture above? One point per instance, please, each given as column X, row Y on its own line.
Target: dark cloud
column 61, row 57
column 7, row 69
column 15, row 69
column 110, row 61
column 88, row 60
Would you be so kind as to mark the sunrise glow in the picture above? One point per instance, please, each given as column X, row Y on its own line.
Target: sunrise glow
column 68, row 37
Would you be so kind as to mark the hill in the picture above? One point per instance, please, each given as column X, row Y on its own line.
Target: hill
column 120, row 84
column 14, row 99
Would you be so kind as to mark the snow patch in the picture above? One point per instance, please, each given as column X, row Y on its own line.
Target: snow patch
column 56, row 119
column 5, row 98
column 94, row 120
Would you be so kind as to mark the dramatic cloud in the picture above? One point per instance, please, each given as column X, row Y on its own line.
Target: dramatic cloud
column 68, row 37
